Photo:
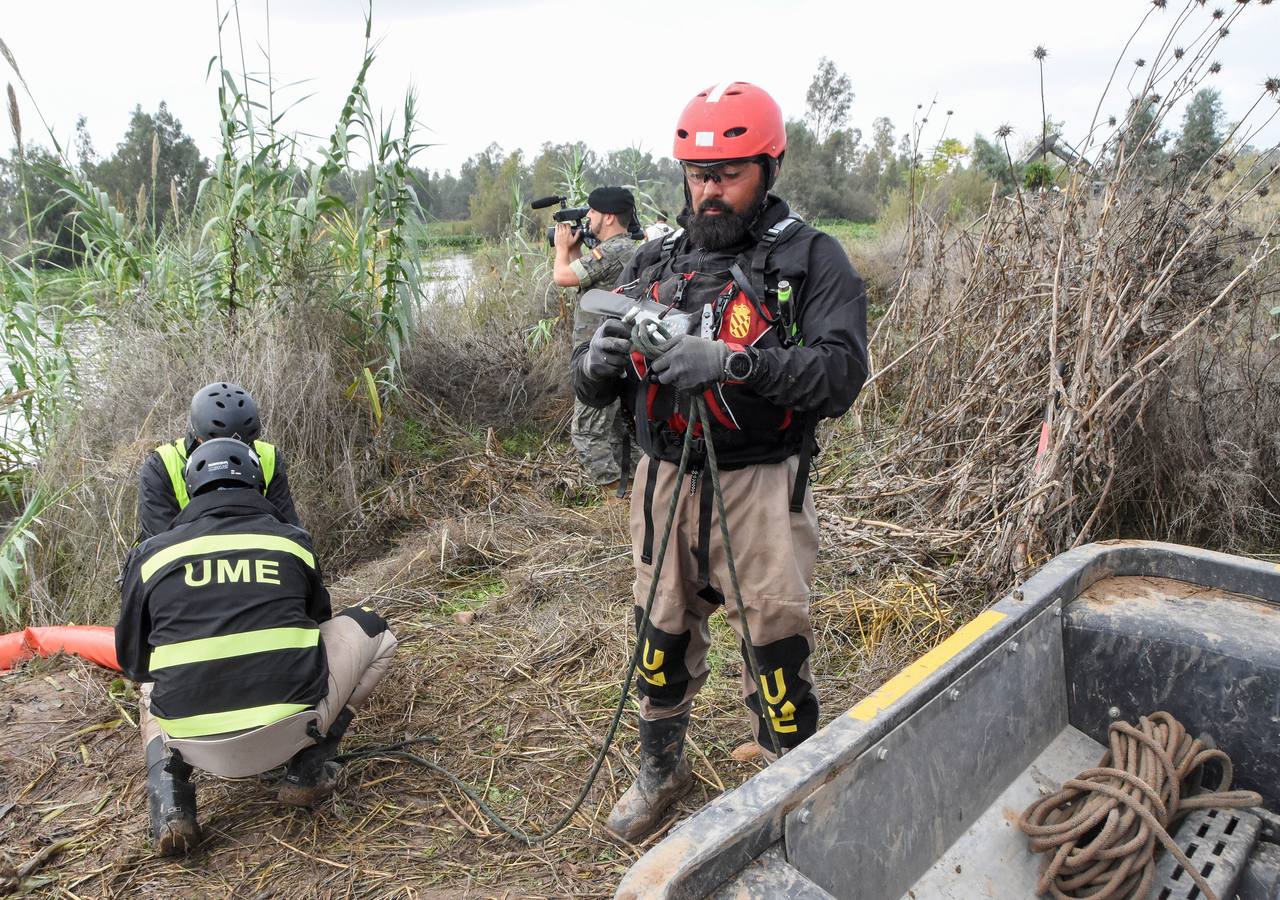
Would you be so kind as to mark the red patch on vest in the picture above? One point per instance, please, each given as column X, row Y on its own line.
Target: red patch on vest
column 741, row 323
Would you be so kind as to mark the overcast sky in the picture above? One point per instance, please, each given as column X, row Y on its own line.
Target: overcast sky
column 611, row 74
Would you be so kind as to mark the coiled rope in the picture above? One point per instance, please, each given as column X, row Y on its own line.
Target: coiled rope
column 651, row 338
column 1101, row 829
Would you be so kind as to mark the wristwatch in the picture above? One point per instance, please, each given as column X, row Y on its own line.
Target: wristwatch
column 740, row 365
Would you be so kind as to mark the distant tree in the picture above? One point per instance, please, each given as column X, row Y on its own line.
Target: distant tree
column 820, row 178
column 443, row 195
column 555, row 162
column 989, row 158
column 1142, row 141
column 656, row 187
column 499, row 193
column 829, row 97
column 1201, row 130
column 154, row 161
column 880, row 171
column 85, row 154
column 26, row 186
column 947, row 156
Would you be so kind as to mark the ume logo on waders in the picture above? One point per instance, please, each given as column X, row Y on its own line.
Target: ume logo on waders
column 784, row 718
column 653, row 664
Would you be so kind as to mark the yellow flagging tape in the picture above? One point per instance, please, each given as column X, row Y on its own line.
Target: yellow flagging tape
column 889, row 692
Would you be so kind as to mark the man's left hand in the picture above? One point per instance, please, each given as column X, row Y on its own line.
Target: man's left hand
column 690, row 363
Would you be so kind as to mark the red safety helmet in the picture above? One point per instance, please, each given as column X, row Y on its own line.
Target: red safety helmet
column 730, row 120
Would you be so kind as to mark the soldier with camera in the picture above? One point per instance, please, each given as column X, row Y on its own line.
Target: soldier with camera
column 598, row 435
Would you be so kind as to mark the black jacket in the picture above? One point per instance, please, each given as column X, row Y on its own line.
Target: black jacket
column 819, row 379
column 221, row 611
column 157, row 505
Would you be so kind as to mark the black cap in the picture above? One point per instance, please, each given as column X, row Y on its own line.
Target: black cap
column 614, row 200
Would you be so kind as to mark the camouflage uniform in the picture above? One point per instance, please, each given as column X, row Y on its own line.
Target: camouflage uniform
column 598, row 434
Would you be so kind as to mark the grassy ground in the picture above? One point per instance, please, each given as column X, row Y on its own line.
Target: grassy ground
column 846, row 230
column 519, row 701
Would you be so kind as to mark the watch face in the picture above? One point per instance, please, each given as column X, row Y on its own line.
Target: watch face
column 739, row 365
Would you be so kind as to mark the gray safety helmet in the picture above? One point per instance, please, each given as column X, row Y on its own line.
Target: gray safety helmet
column 224, row 410
column 222, row 462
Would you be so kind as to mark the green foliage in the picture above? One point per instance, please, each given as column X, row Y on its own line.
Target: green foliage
column 37, row 220
column 1038, row 176
column 828, row 171
column 823, row 179
column 39, row 367
column 474, row 596
column 947, row 157
column 16, row 543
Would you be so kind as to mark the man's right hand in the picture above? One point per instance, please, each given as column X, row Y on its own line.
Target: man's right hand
column 607, row 355
column 566, row 238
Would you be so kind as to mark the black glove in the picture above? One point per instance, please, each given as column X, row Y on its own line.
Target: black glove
column 607, row 355
column 690, row 363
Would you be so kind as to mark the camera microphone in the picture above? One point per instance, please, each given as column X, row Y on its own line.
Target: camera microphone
column 544, row 202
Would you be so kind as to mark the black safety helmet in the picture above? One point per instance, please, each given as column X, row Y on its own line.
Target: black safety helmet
column 224, row 410
column 222, row 462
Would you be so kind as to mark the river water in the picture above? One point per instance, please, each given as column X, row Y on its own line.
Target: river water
column 447, row 277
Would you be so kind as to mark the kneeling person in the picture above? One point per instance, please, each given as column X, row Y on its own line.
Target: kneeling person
column 218, row 410
column 226, row 620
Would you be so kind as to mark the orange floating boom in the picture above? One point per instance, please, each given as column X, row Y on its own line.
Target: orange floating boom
column 96, row 643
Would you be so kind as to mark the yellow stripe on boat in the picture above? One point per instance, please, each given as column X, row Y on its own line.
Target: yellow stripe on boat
column 888, row 693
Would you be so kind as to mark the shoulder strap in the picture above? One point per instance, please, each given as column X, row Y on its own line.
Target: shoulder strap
column 267, row 456
column 174, row 457
column 651, row 272
column 669, row 243
column 776, row 234
column 753, row 286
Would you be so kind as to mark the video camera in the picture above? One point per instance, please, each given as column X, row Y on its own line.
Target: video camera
column 575, row 214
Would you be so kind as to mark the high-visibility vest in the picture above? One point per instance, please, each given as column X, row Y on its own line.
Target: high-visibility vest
column 174, row 457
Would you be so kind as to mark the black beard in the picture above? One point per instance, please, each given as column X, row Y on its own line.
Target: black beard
column 729, row 229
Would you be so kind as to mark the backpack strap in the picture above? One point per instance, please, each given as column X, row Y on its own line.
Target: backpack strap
column 669, row 243
column 774, row 235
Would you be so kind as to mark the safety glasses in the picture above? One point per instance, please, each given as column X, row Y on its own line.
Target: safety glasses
column 724, row 173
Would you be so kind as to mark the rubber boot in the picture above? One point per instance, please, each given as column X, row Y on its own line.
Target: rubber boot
column 664, row 777
column 312, row 774
column 172, row 799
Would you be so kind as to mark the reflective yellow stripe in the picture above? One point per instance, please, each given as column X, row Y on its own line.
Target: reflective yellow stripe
column 885, row 696
column 228, row 645
column 231, row 720
column 267, row 458
column 174, row 457
column 220, row 543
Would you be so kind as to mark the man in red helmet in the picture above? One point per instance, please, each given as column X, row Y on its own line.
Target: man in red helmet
column 781, row 344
